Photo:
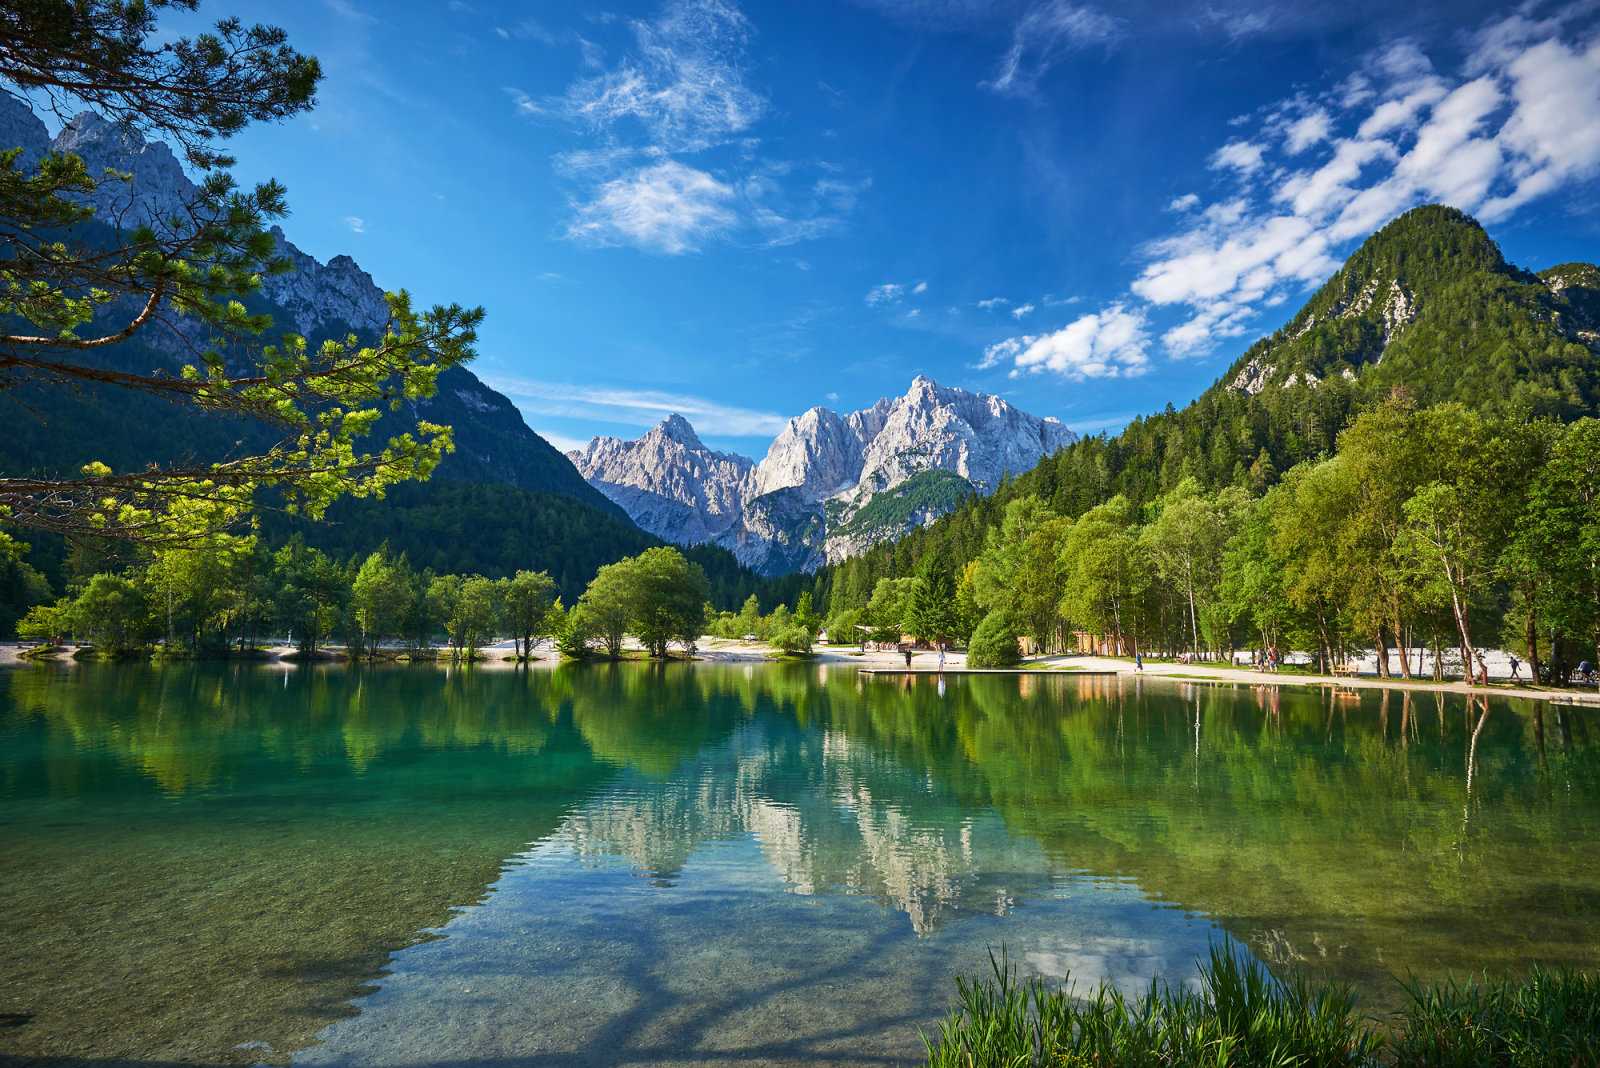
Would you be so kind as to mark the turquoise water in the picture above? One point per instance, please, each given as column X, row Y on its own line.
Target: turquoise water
column 694, row 864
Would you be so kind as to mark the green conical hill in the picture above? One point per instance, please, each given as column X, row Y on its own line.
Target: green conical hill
column 1429, row 303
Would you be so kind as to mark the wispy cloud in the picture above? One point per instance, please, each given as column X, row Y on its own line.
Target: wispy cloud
column 667, row 207
column 681, row 91
column 992, row 303
column 1519, row 120
column 1237, row 24
column 356, row 224
column 634, row 407
column 1021, row 310
column 1046, row 33
column 561, row 441
column 887, row 293
column 683, row 83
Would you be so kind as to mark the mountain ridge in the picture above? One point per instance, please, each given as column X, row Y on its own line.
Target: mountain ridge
column 796, row 508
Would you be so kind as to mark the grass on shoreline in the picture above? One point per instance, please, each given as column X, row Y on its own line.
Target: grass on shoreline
column 1242, row 1017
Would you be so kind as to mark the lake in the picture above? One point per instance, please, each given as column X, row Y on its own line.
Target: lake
column 697, row 864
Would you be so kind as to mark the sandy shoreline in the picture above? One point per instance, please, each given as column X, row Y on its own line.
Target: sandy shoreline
column 730, row 651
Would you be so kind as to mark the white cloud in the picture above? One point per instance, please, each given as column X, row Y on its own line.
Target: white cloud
column 667, row 208
column 919, row 288
column 1045, row 33
column 1186, row 202
column 1241, row 156
column 887, row 293
column 634, row 407
column 1110, row 343
column 1020, row 310
column 356, row 223
column 992, row 303
column 1308, row 130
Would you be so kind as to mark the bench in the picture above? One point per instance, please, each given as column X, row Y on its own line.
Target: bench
column 1351, row 670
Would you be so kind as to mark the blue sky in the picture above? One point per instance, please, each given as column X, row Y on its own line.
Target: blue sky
column 741, row 210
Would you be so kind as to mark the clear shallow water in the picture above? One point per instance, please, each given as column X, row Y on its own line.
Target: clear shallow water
column 631, row 865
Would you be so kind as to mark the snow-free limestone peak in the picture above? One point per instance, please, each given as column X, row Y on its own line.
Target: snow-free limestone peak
column 830, row 485
column 669, row 482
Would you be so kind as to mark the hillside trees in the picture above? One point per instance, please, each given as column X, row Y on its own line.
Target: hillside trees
column 74, row 286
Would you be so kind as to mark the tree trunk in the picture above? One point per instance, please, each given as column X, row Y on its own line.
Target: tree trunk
column 1194, row 623
column 1400, row 640
column 1383, row 654
column 1533, row 636
column 1464, row 632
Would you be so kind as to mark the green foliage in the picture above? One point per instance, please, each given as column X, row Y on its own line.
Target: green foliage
column 659, row 595
column 21, row 588
column 933, row 612
column 794, row 639
column 381, row 597
column 1240, row 1016
column 528, row 599
column 1549, row 1020
column 925, row 493
column 667, row 599
column 114, row 615
column 994, row 643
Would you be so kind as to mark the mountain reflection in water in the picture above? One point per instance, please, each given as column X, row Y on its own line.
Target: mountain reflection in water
column 202, row 858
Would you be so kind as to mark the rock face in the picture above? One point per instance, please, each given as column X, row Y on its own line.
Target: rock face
column 830, row 485
column 316, row 300
column 669, row 482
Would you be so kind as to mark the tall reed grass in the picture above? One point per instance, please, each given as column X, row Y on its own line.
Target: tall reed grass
column 1242, row 1017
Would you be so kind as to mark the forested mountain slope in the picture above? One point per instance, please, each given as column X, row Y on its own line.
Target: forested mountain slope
column 1427, row 305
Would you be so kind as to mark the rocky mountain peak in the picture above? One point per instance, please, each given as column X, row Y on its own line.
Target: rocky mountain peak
column 676, row 428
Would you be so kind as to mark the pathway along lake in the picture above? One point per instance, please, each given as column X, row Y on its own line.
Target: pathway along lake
column 691, row 864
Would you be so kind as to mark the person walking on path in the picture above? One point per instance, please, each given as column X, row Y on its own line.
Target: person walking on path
column 908, row 656
column 1514, row 674
column 1138, row 661
column 941, row 659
